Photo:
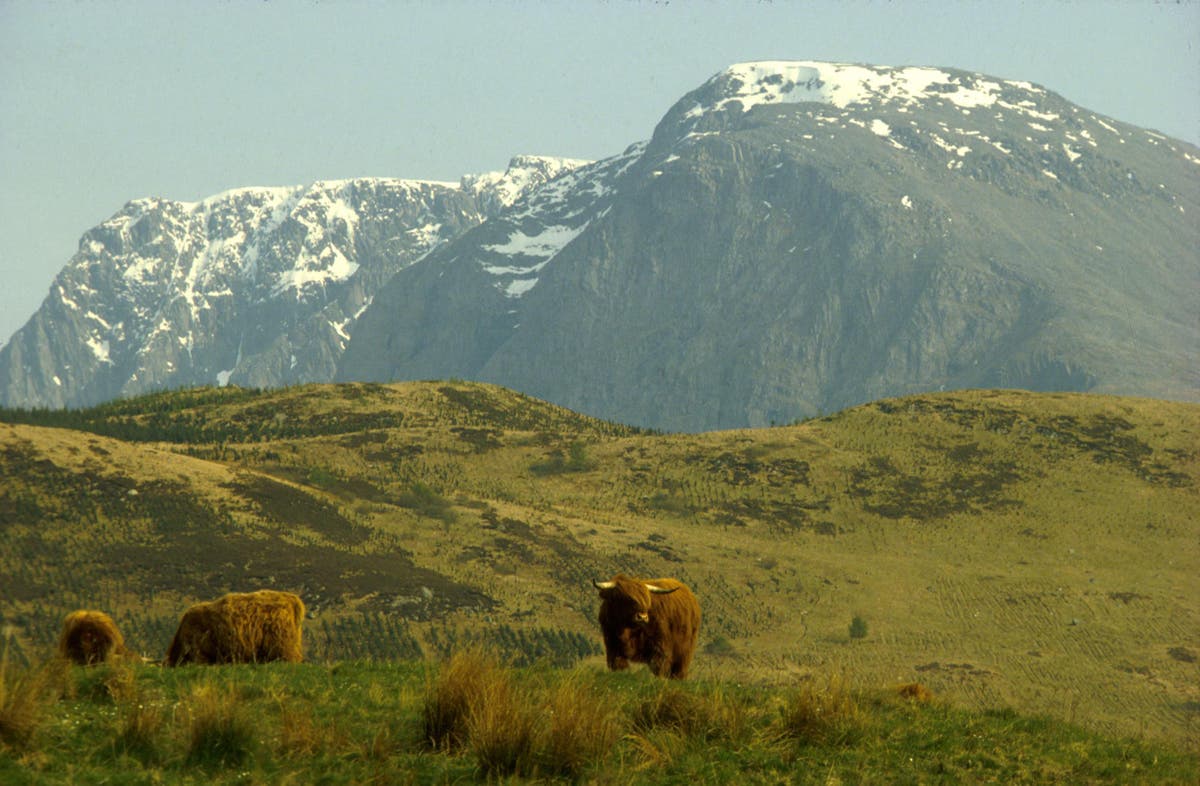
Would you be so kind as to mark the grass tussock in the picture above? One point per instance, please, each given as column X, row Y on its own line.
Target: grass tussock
column 27, row 697
column 822, row 714
column 502, row 728
column 517, row 728
column 299, row 734
column 220, row 731
column 140, row 729
column 459, row 685
column 580, row 727
column 710, row 716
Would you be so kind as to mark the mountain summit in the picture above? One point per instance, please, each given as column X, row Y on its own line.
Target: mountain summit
column 794, row 238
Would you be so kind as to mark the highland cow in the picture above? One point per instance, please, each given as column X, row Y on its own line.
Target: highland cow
column 90, row 637
column 651, row 621
column 249, row 627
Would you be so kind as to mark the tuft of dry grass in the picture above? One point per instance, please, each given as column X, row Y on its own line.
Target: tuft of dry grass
column 450, row 696
column 299, row 735
column 671, row 708
column 710, row 716
column 140, row 722
column 579, row 727
column 120, row 679
column 219, row 730
column 822, row 715
column 655, row 748
column 26, row 696
column 512, row 727
column 502, row 728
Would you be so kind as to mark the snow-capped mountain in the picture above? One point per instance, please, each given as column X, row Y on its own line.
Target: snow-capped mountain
column 255, row 286
column 794, row 238
column 797, row 237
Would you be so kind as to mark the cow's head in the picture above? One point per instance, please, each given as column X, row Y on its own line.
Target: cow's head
column 630, row 596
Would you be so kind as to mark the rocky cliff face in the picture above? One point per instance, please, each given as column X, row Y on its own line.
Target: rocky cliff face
column 255, row 286
column 799, row 237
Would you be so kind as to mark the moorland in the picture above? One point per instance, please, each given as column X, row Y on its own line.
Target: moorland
column 1026, row 557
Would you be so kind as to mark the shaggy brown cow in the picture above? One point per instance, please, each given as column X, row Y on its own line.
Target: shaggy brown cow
column 90, row 637
column 241, row 627
column 651, row 621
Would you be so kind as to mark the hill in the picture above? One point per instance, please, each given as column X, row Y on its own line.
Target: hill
column 1001, row 547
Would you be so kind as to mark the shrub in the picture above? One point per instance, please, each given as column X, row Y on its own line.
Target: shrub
column 424, row 501
column 858, row 627
column 556, row 463
column 719, row 646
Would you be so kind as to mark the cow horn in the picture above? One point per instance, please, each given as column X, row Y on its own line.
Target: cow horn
column 603, row 585
column 660, row 590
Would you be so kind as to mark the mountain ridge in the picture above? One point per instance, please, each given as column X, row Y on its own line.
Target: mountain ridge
column 258, row 285
column 793, row 238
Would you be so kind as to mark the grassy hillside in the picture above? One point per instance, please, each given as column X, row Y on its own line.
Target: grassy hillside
column 1003, row 548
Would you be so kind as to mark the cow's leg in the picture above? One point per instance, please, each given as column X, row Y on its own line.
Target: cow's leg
column 660, row 662
column 614, row 652
column 680, row 666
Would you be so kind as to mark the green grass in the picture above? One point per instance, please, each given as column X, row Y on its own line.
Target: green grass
column 371, row 722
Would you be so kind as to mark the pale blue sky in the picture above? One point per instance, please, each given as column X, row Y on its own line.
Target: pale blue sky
column 102, row 102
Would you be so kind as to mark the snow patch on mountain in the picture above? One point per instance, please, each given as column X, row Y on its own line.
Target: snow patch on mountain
column 544, row 244
column 547, row 219
column 842, row 85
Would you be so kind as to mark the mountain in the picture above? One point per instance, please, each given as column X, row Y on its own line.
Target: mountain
column 254, row 286
column 794, row 238
column 797, row 237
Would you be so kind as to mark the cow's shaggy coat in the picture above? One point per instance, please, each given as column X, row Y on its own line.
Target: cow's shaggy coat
column 651, row 621
column 249, row 627
column 90, row 637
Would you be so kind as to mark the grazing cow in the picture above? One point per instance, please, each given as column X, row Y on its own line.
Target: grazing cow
column 651, row 621
column 241, row 627
column 90, row 637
